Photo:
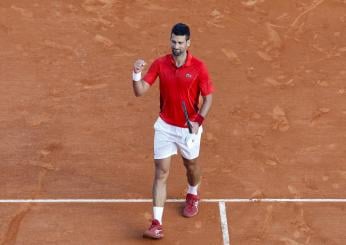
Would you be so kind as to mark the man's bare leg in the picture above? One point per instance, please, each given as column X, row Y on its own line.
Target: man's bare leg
column 159, row 197
column 159, row 191
column 193, row 173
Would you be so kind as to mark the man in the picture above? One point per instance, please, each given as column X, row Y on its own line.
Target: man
column 183, row 78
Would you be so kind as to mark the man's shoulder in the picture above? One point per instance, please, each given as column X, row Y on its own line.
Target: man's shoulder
column 197, row 61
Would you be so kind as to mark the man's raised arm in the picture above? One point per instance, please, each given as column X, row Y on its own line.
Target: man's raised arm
column 139, row 85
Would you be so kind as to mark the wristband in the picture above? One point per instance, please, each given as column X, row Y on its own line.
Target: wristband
column 136, row 76
column 199, row 119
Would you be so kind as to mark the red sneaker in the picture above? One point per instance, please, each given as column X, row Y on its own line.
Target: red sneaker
column 191, row 205
column 155, row 230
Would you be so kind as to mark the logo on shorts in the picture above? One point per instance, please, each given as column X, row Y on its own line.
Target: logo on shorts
column 188, row 75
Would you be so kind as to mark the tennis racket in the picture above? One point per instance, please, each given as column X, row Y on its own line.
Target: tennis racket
column 186, row 117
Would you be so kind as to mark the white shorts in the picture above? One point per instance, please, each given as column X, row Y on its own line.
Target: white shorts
column 168, row 139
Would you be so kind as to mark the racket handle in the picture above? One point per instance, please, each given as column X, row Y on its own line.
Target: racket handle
column 186, row 117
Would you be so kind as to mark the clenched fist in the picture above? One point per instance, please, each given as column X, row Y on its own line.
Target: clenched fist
column 139, row 66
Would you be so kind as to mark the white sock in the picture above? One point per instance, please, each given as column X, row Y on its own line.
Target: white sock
column 158, row 211
column 192, row 189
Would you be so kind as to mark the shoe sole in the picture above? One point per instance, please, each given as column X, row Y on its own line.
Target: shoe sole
column 152, row 237
column 189, row 216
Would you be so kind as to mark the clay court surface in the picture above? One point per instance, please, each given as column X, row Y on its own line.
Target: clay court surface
column 71, row 128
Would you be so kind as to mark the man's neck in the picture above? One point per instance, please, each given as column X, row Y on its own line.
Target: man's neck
column 180, row 60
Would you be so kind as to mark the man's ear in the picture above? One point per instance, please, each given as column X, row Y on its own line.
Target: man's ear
column 188, row 43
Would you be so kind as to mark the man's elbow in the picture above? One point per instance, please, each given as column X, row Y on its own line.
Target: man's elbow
column 208, row 99
column 138, row 94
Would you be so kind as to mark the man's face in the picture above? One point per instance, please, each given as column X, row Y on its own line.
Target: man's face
column 179, row 44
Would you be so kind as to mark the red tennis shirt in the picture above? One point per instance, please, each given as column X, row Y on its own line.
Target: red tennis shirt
column 177, row 84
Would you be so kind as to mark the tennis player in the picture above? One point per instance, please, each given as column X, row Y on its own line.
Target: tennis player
column 183, row 79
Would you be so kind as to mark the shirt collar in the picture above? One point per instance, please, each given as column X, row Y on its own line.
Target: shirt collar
column 187, row 61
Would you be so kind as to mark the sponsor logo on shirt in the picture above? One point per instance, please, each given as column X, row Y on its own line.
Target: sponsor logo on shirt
column 188, row 75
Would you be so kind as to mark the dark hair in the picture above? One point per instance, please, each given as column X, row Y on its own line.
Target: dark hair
column 181, row 29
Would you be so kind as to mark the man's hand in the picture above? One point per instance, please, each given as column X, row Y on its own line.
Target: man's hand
column 139, row 66
column 139, row 86
column 195, row 127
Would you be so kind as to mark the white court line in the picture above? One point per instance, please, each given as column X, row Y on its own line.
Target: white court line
column 221, row 202
column 235, row 200
column 224, row 224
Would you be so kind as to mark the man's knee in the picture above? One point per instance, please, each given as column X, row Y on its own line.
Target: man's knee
column 161, row 173
column 191, row 165
column 161, row 170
